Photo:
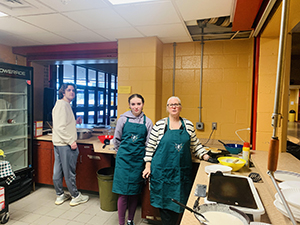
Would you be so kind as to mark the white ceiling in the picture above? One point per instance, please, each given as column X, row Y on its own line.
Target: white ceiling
column 51, row 22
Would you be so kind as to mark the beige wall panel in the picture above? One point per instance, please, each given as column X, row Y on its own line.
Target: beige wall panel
column 7, row 56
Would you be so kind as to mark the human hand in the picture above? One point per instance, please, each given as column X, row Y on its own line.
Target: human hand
column 205, row 157
column 74, row 145
column 79, row 120
column 146, row 173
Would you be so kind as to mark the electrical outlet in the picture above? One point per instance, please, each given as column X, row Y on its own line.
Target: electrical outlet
column 200, row 126
column 214, row 125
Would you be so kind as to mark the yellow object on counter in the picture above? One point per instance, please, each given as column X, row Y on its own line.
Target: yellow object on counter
column 234, row 162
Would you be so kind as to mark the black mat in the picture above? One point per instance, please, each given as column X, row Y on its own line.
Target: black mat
column 293, row 149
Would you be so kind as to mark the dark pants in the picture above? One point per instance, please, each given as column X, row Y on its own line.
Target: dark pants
column 169, row 217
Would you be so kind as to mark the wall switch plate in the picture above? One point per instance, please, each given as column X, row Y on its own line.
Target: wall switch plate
column 214, row 125
column 200, row 126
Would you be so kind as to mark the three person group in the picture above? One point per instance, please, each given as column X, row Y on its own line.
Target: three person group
column 162, row 152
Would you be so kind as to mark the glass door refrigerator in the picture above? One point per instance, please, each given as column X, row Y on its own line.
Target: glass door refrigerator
column 16, row 125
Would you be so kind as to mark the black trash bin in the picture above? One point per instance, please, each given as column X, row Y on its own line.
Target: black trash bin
column 108, row 199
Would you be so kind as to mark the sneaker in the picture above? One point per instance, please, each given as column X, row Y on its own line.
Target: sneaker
column 130, row 223
column 62, row 198
column 79, row 199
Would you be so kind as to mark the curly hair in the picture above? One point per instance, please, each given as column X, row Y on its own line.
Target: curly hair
column 63, row 88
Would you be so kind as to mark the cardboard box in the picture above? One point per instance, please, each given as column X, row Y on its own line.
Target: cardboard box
column 38, row 128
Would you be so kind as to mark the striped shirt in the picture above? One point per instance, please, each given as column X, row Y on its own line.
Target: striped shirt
column 158, row 132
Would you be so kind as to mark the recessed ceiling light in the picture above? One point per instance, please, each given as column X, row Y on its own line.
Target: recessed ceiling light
column 3, row 14
column 118, row 2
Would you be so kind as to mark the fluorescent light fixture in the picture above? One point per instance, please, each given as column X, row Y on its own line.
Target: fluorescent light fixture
column 119, row 2
column 3, row 14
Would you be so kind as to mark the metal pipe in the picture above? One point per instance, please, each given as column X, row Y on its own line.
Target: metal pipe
column 280, row 65
column 174, row 67
column 274, row 143
column 271, row 174
column 201, row 76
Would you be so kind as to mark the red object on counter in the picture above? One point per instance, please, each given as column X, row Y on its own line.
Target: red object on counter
column 246, row 144
column 103, row 137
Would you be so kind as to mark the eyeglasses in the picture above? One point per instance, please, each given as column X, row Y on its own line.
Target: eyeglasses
column 174, row 105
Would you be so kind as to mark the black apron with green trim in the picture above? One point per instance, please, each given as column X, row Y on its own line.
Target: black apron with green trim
column 171, row 170
column 128, row 178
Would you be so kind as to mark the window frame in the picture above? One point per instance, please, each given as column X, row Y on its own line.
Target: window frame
column 107, row 91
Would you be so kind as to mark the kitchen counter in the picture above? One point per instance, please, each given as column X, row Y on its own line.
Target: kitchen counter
column 266, row 189
column 97, row 145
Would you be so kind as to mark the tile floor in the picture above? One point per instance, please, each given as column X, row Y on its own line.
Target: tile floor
column 38, row 208
column 293, row 132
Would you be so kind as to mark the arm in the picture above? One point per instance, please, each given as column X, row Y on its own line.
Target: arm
column 149, row 126
column 154, row 139
column 118, row 132
column 196, row 147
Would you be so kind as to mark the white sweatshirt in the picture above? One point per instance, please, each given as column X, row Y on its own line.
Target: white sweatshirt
column 64, row 124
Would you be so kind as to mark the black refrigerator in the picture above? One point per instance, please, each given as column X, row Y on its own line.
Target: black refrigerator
column 16, row 125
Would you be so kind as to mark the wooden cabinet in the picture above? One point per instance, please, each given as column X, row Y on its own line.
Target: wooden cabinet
column 43, row 160
column 88, row 164
column 148, row 211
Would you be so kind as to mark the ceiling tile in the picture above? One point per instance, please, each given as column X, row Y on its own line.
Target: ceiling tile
column 98, row 18
column 162, row 31
column 47, row 38
column 117, row 33
column 73, row 5
column 196, row 9
column 52, row 22
column 17, row 26
column 149, row 13
column 83, row 36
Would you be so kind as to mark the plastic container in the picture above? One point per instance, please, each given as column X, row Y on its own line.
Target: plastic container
column 108, row 199
column 246, row 152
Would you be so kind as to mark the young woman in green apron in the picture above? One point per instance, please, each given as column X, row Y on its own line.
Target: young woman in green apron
column 168, row 160
column 132, row 131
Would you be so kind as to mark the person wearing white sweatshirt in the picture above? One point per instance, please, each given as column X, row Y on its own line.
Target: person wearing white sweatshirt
column 65, row 147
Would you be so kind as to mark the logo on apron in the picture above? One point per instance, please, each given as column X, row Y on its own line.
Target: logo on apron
column 178, row 147
column 134, row 137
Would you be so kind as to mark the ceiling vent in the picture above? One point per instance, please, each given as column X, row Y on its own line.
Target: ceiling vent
column 214, row 29
column 15, row 4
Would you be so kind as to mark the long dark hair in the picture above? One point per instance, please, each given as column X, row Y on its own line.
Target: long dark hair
column 136, row 96
column 63, row 88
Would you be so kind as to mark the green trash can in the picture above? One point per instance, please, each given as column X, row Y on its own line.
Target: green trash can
column 108, row 199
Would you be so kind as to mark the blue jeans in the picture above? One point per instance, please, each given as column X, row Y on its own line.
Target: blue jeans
column 65, row 166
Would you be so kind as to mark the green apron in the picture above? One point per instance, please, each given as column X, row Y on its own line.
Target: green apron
column 128, row 178
column 171, row 170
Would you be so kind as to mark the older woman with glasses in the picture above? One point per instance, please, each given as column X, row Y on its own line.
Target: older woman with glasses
column 169, row 161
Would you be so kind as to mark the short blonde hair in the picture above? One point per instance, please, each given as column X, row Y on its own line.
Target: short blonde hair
column 170, row 99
